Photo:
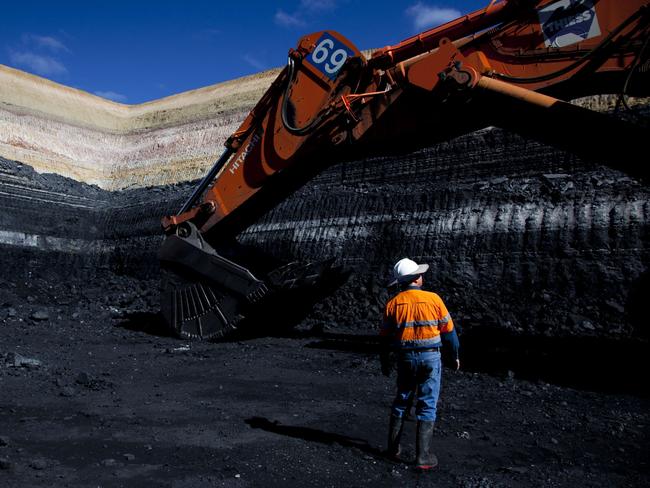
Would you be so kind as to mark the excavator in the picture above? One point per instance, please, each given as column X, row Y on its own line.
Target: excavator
column 512, row 64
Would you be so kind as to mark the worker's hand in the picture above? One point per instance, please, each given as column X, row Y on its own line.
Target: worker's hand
column 457, row 364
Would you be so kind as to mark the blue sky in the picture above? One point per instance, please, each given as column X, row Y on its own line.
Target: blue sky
column 135, row 51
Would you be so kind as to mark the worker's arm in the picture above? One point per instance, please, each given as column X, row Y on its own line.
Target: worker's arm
column 451, row 338
column 448, row 332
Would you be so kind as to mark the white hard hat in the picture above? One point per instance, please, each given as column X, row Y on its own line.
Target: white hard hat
column 406, row 270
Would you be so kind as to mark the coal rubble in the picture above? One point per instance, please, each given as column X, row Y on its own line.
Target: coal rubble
column 541, row 258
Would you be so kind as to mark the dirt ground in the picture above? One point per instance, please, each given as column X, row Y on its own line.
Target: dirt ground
column 93, row 394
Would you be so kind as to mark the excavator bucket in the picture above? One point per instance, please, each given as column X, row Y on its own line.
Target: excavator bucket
column 195, row 309
column 206, row 296
column 203, row 294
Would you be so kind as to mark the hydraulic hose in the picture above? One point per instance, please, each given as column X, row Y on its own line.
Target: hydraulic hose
column 285, row 103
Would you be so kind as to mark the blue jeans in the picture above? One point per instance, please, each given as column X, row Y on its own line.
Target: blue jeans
column 418, row 373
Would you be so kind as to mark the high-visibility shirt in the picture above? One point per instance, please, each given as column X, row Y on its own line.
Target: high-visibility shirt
column 415, row 319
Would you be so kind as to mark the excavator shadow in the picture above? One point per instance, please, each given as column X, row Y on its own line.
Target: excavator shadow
column 314, row 435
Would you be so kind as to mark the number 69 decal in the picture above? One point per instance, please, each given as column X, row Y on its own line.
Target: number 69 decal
column 329, row 55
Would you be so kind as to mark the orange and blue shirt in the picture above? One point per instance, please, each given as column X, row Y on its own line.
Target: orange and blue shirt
column 417, row 319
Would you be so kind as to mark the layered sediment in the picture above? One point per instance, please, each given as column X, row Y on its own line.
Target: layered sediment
column 57, row 129
column 521, row 237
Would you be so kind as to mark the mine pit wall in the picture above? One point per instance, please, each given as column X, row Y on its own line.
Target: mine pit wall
column 116, row 161
column 521, row 237
column 57, row 129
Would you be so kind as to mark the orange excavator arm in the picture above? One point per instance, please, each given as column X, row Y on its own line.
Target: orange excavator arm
column 510, row 64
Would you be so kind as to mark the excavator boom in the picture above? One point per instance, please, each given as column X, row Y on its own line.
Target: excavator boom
column 512, row 64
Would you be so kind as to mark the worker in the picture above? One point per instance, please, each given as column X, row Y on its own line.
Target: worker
column 414, row 324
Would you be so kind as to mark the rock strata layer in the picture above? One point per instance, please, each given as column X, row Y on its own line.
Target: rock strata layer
column 57, row 129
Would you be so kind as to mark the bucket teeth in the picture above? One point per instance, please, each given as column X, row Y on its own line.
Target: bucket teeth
column 196, row 309
column 257, row 294
column 203, row 294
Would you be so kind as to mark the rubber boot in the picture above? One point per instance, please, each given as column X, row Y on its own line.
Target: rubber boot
column 394, row 434
column 424, row 458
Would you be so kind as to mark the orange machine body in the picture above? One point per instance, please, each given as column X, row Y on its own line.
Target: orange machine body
column 267, row 146
column 330, row 94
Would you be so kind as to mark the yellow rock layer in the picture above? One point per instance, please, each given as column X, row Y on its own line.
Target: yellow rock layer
column 58, row 129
